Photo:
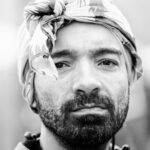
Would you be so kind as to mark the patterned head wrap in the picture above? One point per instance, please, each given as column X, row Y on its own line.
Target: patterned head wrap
column 44, row 17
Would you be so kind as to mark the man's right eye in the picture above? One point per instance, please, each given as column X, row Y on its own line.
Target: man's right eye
column 61, row 65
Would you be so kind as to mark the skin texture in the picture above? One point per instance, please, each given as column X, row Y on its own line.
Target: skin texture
column 89, row 101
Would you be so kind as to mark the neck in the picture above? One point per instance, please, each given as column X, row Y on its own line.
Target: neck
column 49, row 141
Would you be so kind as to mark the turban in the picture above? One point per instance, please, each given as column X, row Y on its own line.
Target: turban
column 43, row 18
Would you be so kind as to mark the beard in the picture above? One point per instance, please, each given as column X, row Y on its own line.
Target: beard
column 87, row 131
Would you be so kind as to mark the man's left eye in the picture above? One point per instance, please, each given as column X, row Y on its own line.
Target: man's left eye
column 107, row 63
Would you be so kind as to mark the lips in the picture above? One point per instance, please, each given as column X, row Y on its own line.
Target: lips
column 89, row 106
column 89, row 110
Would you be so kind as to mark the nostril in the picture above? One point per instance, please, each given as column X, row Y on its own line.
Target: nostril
column 86, row 86
column 79, row 91
column 95, row 91
column 82, row 92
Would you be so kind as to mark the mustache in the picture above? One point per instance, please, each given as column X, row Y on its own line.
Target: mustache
column 81, row 99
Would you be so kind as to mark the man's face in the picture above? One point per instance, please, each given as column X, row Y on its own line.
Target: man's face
column 89, row 101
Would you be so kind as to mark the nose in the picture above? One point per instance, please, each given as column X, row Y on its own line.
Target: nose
column 86, row 81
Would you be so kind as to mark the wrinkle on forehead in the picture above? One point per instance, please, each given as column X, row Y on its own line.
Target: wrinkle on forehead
column 96, row 35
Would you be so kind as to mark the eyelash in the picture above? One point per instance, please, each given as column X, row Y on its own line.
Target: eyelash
column 113, row 63
column 62, row 65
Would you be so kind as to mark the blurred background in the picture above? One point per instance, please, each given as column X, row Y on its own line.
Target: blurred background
column 15, row 115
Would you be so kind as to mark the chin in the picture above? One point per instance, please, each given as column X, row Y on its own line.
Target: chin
column 86, row 131
column 85, row 136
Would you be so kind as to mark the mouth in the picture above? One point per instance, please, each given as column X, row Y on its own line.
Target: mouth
column 89, row 109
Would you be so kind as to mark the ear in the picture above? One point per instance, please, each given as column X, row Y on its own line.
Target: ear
column 29, row 90
column 32, row 100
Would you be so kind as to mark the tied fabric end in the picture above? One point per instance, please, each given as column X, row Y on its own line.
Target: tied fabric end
column 59, row 7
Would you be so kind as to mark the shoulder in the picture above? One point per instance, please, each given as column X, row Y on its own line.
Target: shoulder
column 31, row 142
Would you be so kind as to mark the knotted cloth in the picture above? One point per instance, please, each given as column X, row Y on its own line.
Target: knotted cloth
column 43, row 18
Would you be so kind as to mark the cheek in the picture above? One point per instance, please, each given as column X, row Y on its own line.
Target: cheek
column 119, row 91
column 118, row 88
column 52, row 92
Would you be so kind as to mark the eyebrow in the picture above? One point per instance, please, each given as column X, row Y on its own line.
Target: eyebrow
column 95, row 53
column 105, row 51
column 64, row 53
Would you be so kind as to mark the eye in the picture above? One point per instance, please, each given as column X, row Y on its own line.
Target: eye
column 61, row 65
column 108, row 63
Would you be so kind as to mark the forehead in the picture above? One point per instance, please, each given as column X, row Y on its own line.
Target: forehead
column 84, row 37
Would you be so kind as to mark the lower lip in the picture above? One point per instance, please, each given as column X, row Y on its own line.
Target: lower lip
column 90, row 111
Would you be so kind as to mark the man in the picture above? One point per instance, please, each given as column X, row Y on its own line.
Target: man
column 78, row 63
